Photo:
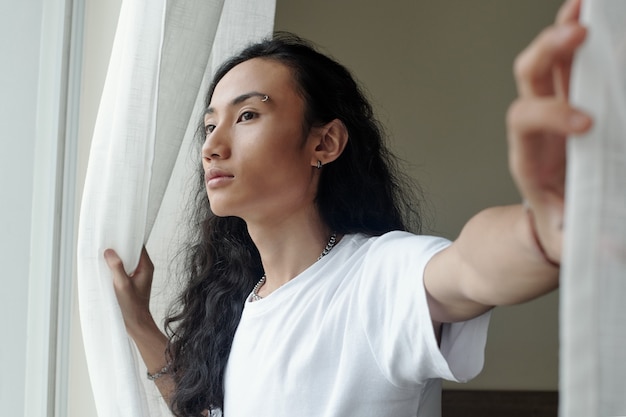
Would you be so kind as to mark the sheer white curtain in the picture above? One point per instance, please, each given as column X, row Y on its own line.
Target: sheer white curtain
column 163, row 55
column 593, row 282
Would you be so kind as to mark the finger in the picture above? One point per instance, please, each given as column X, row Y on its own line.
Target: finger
column 145, row 263
column 553, row 48
column 114, row 262
column 121, row 280
column 142, row 276
column 561, row 78
column 528, row 116
column 569, row 12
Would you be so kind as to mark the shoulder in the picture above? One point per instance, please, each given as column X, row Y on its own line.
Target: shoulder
column 364, row 260
column 399, row 244
column 393, row 254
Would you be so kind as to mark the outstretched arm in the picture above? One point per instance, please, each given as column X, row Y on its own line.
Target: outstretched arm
column 508, row 255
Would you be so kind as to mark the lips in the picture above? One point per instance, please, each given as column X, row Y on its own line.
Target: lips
column 215, row 176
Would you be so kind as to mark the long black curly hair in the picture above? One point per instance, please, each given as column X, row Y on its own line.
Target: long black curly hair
column 362, row 191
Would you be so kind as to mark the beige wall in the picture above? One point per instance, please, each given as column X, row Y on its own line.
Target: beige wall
column 439, row 74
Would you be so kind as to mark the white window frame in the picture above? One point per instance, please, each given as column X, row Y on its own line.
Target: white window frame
column 53, row 218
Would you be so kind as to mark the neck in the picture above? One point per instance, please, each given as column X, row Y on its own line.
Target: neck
column 288, row 250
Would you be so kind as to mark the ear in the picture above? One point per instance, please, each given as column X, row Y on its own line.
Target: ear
column 329, row 141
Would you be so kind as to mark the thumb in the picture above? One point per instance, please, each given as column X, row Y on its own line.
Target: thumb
column 120, row 277
column 114, row 262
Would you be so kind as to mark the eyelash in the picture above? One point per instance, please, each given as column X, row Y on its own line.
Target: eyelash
column 209, row 128
column 251, row 113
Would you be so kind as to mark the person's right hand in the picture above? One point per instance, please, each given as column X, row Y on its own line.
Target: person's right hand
column 133, row 296
column 132, row 291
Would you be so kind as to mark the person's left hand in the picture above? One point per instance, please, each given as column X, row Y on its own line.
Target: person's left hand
column 539, row 121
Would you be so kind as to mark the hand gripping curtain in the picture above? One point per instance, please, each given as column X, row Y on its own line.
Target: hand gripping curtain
column 163, row 55
column 593, row 281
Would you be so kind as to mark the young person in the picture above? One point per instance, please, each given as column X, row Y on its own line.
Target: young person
column 306, row 293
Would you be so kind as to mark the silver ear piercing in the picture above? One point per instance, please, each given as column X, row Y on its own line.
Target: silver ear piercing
column 319, row 164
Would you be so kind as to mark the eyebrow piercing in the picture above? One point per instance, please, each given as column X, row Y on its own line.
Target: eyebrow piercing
column 265, row 98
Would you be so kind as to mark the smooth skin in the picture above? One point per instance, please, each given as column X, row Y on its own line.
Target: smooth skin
column 271, row 165
column 496, row 260
column 261, row 167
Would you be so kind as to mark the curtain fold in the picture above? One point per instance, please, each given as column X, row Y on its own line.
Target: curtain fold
column 593, row 280
column 163, row 54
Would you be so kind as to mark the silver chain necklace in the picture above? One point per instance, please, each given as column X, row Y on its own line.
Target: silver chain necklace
column 255, row 291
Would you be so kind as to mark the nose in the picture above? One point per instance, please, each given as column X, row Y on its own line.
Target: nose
column 216, row 145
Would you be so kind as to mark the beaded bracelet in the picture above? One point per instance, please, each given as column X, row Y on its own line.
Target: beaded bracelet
column 153, row 377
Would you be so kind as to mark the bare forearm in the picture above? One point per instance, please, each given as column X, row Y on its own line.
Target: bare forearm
column 504, row 262
column 152, row 343
column 494, row 261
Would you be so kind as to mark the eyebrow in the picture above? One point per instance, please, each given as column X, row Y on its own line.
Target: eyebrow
column 238, row 100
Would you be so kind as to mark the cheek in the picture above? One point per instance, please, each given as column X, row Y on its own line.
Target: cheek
column 273, row 153
column 282, row 175
column 280, row 170
column 275, row 146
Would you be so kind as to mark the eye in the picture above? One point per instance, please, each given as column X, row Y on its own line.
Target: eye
column 208, row 129
column 247, row 115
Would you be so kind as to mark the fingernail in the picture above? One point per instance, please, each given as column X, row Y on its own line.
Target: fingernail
column 579, row 121
column 567, row 31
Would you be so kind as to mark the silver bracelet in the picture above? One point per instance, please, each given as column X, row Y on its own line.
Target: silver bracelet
column 163, row 371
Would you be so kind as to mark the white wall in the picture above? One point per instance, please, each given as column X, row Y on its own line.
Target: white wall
column 20, row 29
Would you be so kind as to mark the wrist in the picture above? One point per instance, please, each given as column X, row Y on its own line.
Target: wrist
column 152, row 345
column 536, row 240
column 156, row 375
column 143, row 327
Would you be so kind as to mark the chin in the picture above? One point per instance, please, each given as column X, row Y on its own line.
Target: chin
column 219, row 213
column 220, row 210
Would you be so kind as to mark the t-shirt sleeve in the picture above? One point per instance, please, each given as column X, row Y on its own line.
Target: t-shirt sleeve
column 396, row 319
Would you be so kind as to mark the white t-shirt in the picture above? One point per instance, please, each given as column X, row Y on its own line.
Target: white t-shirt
column 351, row 336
